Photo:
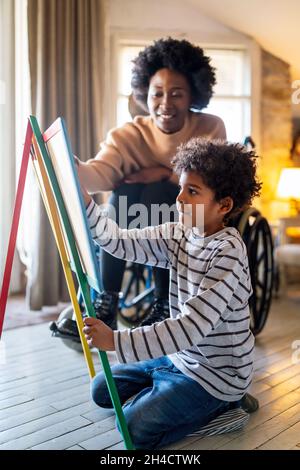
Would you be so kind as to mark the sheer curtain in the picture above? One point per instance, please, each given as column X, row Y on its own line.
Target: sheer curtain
column 7, row 134
column 66, row 56
column 6, row 119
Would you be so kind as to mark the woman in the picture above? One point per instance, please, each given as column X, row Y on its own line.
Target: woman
column 173, row 79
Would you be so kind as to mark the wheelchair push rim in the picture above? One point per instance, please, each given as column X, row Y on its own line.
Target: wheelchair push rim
column 257, row 236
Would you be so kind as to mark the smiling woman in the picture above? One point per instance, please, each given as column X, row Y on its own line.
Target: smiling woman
column 172, row 79
column 231, row 99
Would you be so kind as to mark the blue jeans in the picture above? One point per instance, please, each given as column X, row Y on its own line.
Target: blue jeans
column 167, row 404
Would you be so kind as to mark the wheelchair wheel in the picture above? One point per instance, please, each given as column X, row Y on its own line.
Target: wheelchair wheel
column 257, row 237
column 137, row 294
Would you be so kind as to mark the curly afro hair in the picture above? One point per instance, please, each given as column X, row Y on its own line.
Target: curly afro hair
column 180, row 56
column 227, row 169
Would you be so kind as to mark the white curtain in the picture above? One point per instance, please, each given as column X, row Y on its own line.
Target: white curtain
column 65, row 43
column 27, row 227
column 66, row 51
column 7, row 134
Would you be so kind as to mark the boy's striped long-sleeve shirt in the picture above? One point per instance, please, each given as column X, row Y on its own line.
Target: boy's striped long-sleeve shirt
column 207, row 336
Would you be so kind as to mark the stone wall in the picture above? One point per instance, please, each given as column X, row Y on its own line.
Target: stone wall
column 276, row 129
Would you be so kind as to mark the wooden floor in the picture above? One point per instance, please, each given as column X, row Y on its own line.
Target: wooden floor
column 45, row 404
column 18, row 314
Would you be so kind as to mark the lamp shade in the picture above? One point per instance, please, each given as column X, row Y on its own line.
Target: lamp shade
column 289, row 184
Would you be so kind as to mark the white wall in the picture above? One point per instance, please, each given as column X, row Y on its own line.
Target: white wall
column 145, row 19
column 273, row 23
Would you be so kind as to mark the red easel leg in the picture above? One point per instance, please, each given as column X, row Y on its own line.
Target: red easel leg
column 14, row 226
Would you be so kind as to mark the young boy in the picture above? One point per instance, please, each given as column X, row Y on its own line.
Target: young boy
column 188, row 369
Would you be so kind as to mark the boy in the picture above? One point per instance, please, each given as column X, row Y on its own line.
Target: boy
column 189, row 368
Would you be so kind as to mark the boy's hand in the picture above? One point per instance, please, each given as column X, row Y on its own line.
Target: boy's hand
column 98, row 334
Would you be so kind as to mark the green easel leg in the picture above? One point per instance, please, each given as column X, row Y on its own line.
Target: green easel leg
column 82, row 278
column 111, row 385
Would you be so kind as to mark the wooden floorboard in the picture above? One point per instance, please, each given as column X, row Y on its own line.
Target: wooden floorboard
column 45, row 399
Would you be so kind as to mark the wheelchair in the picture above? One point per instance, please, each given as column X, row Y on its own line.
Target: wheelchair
column 257, row 236
column 138, row 290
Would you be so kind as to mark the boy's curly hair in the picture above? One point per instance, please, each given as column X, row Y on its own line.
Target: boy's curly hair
column 228, row 169
column 180, row 56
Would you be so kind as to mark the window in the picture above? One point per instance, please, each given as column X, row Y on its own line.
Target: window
column 231, row 100
column 125, row 57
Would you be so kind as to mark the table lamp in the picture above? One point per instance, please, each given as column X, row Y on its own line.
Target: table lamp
column 289, row 187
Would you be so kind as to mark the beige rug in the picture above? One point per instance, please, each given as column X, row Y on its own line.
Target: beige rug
column 18, row 315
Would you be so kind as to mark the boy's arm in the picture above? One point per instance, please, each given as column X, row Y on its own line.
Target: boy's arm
column 146, row 246
column 226, row 278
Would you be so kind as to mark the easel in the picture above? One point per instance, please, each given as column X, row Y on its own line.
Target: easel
column 66, row 244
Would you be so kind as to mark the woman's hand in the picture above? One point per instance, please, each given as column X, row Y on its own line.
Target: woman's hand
column 149, row 175
column 98, row 334
column 86, row 197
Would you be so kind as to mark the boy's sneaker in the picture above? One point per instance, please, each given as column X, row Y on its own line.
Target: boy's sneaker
column 160, row 311
column 249, row 403
column 106, row 308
